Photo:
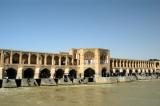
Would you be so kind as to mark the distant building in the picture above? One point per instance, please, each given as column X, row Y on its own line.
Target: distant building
column 77, row 63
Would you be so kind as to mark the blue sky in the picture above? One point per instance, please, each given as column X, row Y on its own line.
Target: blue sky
column 129, row 28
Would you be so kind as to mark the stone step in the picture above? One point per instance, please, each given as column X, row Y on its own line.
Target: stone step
column 62, row 81
column 29, row 83
column 47, row 82
column 9, row 83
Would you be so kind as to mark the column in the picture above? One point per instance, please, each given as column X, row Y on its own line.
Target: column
column 2, row 55
column 112, row 63
column 116, row 63
column 19, row 73
column 53, row 60
column 36, row 73
column 72, row 61
column 66, row 71
column 11, row 57
column 123, row 62
column 20, row 58
column 29, row 58
column 45, row 59
column 66, row 62
column 1, row 72
column 59, row 60
column 52, row 72
column 37, row 59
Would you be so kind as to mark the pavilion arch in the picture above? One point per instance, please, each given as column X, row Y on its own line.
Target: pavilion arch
column 89, row 72
column 25, row 59
column 41, row 59
column 49, row 60
column 89, row 57
column 44, row 73
column 6, row 57
column 28, row 73
column 56, row 59
column 72, row 74
column 33, row 59
column 63, row 60
column 104, row 72
column 15, row 58
column 59, row 73
column 11, row 73
column 70, row 60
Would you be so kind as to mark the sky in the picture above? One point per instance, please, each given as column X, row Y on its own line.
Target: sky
column 128, row 28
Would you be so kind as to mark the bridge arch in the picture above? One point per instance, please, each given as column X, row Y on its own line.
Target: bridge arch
column 104, row 72
column 59, row 73
column 45, row 73
column 11, row 73
column 73, row 74
column 89, row 72
column 28, row 73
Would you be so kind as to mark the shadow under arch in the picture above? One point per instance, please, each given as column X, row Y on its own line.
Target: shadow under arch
column 45, row 73
column 11, row 73
column 28, row 73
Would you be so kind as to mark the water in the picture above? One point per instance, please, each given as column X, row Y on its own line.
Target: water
column 139, row 93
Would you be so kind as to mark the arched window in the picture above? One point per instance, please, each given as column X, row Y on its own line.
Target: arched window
column 6, row 57
column 63, row 60
column 41, row 59
column 103, row 58
column 33, row 59
column 15, row 59
column 89, row 57
column 56, row 59
column 49, row 60
column 24, row 59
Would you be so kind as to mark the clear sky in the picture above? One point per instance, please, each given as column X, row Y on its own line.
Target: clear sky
column 129, row 28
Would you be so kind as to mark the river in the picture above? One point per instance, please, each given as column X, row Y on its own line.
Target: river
column 138, row 93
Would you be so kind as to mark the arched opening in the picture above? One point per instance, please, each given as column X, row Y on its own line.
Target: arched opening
column 117, row 73
column 45, row 73
column 59, row 74
column 104, row 72
column 103, row 58
column 10, row 73
column 28, row 73
column 89, row 72
column 70, row 60
column 130, row 72
column 123, row 73
column 6, row 58
column 149, row 72
column 73, row 73
column 56, row 60
column 63, row 61
column 24, row 59
column 41, row 59
column 136, row 72
column 15, row 59
column 33, row 59
column 89, row 57
column 111, row 73
column 49, row 60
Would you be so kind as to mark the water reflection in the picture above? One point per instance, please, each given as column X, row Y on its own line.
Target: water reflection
column 141, row 93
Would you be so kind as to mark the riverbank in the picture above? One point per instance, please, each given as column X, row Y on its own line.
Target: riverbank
column 12, row 83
